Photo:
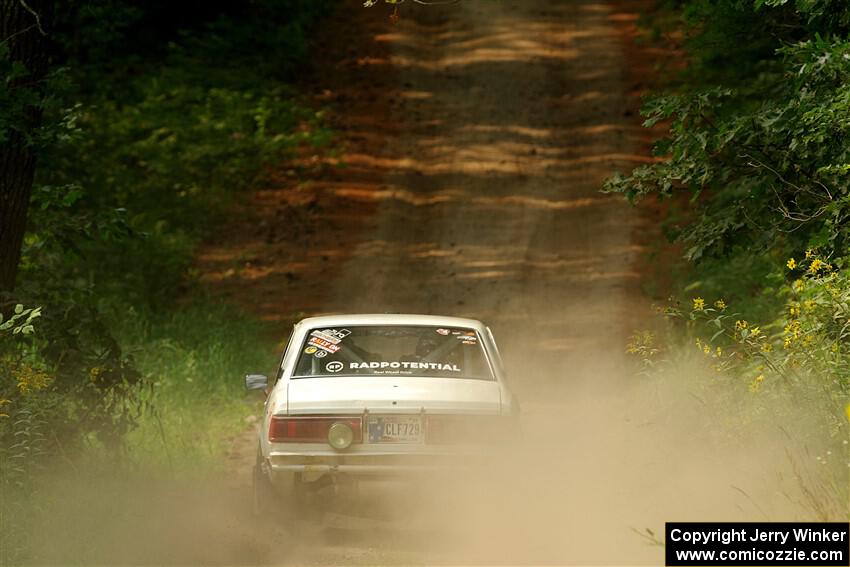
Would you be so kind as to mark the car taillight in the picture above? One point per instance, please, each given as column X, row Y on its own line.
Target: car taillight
column 310, row 428
column 452, row 429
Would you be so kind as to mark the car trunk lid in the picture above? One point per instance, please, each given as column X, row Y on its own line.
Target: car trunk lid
column 392, row 395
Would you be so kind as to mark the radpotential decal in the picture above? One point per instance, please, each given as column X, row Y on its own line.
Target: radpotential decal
column 405, row 365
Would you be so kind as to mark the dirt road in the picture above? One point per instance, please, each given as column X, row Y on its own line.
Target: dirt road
column 501, row 119
column 477, row 137
column 476, row 162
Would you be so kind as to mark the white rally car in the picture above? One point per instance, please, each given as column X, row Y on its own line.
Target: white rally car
column 371, row 395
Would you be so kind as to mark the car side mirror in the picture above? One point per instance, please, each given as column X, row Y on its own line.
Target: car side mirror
column 256, row 382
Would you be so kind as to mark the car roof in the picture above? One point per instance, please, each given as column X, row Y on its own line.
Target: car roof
column 390, row 319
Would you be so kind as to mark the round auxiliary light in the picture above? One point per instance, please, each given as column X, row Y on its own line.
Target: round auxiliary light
column 340, row 436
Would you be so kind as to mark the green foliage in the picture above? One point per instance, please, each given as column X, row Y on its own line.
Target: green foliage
column 772, row 368
column 157, row 157
column 21, row 320
column 759, row 135
column 161, row 171
column 14, row 99
column 156, row 120
column 24, row 402
column 145, row 144
column 24, row 98
column 758, row 140
column 808, row 345
column 776, row 172
column 195, row 359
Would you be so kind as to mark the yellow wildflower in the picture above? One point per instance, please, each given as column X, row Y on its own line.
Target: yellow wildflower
column 809, row 253
column 755, row 332
column 718, row 352
column 794, row 328
column 767, row 347
column 699, row 304
column 706, row 350
column 755, row 385
column 816, row 265
column 809, row 305
column 794, row 309
column 30, row 379
column 740, row 325
column 720, row 304
column 797, row 286
column 791, row 263
column 642, row 343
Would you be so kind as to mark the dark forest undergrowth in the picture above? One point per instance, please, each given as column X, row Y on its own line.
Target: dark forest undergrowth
column 156, row 118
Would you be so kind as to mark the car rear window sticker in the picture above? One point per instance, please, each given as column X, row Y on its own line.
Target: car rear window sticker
column 324, row 345
column 334, row 336
column 442, row 366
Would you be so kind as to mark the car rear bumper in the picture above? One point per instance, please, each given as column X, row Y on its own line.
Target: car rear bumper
column 313, row 466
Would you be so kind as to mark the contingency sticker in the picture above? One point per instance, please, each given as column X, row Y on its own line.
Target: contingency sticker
column 324, row 344
column 469, row 338
column 331, row 335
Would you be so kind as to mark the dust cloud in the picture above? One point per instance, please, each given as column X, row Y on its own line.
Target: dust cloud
column 500, row 119
column 597, row 464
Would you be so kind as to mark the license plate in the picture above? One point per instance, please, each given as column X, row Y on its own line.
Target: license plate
column 395, row 429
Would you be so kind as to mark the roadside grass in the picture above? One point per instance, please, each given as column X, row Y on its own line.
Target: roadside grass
column 782, row 448
column 764, row 356
column 194, row 361
column 86, row 503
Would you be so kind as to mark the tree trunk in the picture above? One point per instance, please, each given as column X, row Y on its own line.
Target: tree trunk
column 22, row 30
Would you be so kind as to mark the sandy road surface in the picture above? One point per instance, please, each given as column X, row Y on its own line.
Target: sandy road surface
column 478, row 136
column 474, row 166
column 512, row 114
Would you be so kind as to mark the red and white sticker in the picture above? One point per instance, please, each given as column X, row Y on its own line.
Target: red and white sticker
column 324, row 344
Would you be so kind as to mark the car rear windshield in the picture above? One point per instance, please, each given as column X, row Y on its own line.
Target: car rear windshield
column 442, row 352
